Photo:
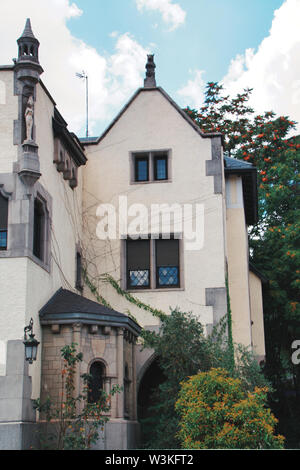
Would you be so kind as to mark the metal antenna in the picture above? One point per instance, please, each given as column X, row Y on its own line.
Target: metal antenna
column 84, row 76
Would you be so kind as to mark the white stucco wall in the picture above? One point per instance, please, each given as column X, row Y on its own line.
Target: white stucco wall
column 152, row 123
column 238, row 261
column 24, row 285
column 8, row 113
column 13, row 273
column 256, row 302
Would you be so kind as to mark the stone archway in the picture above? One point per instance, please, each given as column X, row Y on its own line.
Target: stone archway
column 151, row 379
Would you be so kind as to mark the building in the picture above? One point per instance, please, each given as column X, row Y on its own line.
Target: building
column 58, row 194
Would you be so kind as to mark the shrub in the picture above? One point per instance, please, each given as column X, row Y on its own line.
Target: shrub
column 216, row 412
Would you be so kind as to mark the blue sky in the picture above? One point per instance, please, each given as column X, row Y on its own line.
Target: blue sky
column 214, row 32
column 242, row 43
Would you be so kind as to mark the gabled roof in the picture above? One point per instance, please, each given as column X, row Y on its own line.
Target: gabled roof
column 95, row 140
column 66, row 307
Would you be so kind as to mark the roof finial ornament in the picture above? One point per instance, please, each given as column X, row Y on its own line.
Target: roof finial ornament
column 150, row 81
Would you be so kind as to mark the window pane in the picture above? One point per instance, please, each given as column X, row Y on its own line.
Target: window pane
column 161, row 168
column 138, row 263
column 3, row 212
column 168, row 276
column 167, row 263
column 141, row 169
column 167, row 252
column 3, row 239
column 139, row 278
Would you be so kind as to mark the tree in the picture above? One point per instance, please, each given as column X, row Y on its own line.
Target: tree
column 182, row 350
column 74, row 422
column 274, row 242
column 217, row 413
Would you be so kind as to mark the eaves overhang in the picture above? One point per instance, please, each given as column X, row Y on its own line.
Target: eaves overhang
column 68, row 139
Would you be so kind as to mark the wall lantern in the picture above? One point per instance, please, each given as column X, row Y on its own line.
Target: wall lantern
column 31, row 344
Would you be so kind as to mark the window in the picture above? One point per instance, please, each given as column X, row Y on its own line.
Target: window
column 138, row 264
column 3, row 222
column 153, row 264
column 141, row 169
column 161, row 167
column 96, row 382
column 78, row 283
column 150, row 166
column 167, row 263
column 126, row 388
column 39, row 229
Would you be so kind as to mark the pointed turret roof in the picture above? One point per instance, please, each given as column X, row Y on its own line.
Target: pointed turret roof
column 27, row 33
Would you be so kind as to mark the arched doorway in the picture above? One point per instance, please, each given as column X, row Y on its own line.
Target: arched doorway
column 151, row 379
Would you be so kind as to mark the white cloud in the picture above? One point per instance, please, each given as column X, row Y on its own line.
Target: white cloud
column 273, row 71
column 172, row 13
column 193, row 92
column 112, row 79
column 74, row 11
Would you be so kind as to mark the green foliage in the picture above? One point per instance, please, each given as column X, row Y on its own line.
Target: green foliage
column 73, row 423
column 274, row 242
column 155, row 312
column 183, row 350
column 217, row 413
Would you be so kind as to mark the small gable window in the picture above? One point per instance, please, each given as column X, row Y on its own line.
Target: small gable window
column 150, row 167
column 3, row 222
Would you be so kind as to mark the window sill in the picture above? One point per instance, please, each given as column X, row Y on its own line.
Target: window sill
column 25, row 254
column 164, row 289
column 40, row 263
column 151, row 182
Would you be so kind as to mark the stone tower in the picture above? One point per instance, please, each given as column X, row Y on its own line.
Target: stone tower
column 27, row 74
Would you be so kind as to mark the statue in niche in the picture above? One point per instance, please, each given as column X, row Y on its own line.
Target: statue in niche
column 29, row 118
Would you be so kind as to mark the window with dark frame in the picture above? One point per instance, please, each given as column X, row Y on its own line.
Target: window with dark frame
column 78, row 283
column 3, row 222
column 138, row 264
column 142, row 168
column 150, row 166
column 160, row 167
column 39, row 226
column 96, row 381
column 167, row 263
column 163, row 268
